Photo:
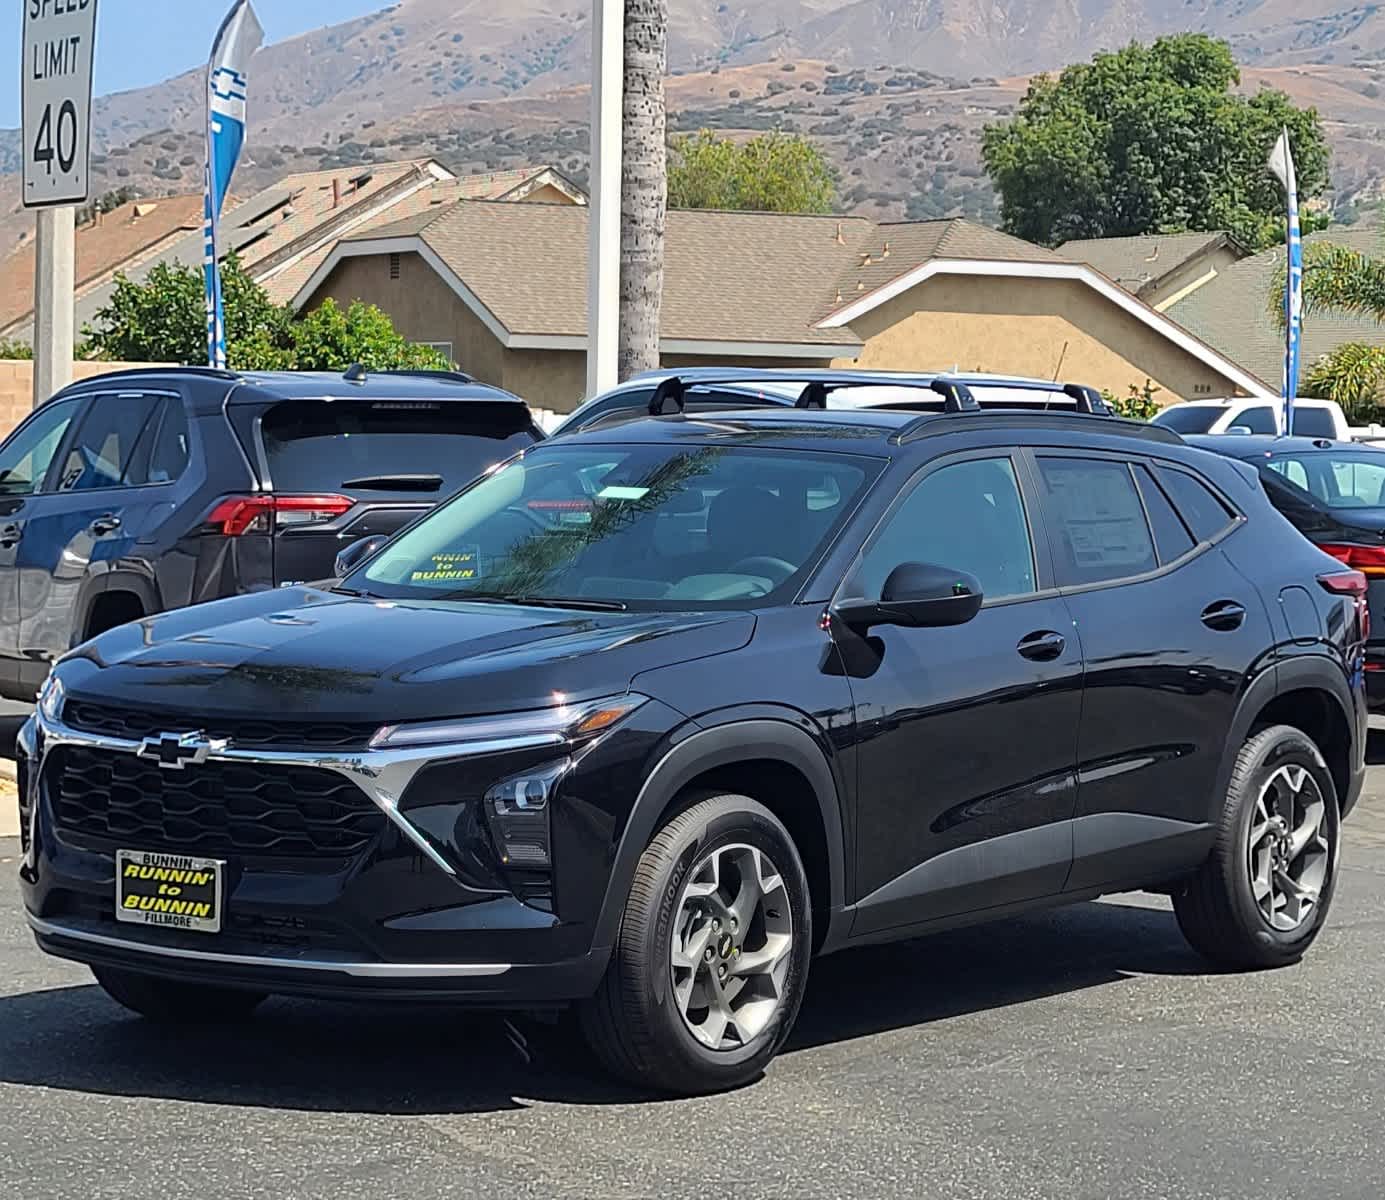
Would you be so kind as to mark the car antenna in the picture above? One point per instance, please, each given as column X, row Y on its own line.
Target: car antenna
column 355, row 373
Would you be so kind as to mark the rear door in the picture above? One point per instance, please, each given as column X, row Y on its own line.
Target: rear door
column 341, row 470
column 88, row 516
column 1170, row 631
column 25, row 460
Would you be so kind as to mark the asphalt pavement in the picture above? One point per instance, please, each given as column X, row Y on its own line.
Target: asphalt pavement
column 1083, row 1053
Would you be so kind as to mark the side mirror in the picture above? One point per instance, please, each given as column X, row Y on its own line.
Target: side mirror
column 919, row 596
column 356, row 553
column 1243, row 430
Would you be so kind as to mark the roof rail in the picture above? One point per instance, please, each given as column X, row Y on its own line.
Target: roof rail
column 818, row 384
column 932, row 424
column 203, row 372
column 442, row 376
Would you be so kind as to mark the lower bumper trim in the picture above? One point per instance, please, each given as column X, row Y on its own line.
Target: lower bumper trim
column 360, row 970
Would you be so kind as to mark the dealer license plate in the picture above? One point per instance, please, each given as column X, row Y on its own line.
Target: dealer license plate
column 170, row 890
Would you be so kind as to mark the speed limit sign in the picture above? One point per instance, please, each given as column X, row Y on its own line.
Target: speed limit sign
column 59, row 52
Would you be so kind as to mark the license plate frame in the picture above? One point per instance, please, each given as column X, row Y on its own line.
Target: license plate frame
column 169, row 891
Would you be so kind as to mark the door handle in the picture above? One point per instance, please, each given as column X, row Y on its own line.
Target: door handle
column 104, row 525
column 1224, row 616
column 1044, row 646
column 10, row 536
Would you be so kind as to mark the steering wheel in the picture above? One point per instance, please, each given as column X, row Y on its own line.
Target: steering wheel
column 763, row 565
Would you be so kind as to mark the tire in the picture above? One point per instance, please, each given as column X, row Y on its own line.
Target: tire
column 173, row 1003
column 1218, row 910
column 636, row 1023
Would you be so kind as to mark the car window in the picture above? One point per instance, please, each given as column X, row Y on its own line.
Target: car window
column 1257, row 420
column 29, row 453
column 326, row 446
column 1189, row 418
column 108, row 442
column 967, row 516
column 1099, row 527
column 1314, row 422
column 1201, row 509
column 1171, row 538
column 656, row 526
column 170, row 451
column 1338, row 480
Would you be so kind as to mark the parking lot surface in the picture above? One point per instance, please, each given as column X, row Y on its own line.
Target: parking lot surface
column 1079, row 1053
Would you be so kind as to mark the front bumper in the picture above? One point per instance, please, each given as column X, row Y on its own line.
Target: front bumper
column 402, row 917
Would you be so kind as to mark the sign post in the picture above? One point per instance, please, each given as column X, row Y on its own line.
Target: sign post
column 603, row 253
column 59, row 48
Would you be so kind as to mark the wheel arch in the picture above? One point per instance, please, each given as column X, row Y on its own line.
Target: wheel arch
column 773, row 762
column 116, row 588
column 1309, row 694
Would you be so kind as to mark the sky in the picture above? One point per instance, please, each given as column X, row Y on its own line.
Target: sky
column 140, row 42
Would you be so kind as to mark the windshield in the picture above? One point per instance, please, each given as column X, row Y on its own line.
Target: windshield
column 1186, row 418
column 639, row 526
column 1349, row 480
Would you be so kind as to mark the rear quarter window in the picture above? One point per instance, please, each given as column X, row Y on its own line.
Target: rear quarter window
column 1202, row 509
column 322, row 445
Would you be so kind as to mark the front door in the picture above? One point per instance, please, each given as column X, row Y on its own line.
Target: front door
column 1170, row 630
column 25, row 459
column 968, row 735
column 87, row 517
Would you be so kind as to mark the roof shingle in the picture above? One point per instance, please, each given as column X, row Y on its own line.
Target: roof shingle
column 1139, row 263
column 1232, row 312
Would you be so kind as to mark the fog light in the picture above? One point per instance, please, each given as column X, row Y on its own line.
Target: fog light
column 518, row 812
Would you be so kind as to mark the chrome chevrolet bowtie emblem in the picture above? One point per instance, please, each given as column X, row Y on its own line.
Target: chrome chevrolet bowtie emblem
column 174, row 751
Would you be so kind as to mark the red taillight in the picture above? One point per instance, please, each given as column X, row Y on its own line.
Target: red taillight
column 1369, row 560
column 1355, row 585
column 239, row 515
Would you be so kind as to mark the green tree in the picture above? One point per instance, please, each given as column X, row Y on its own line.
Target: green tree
column 164, row 320
column 331, row 339
column 1354, row 376
column 1139, row 405
column 13, row 348
column 775, row 172
column 1150, row 139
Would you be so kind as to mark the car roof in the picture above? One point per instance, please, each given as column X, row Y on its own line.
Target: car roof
column 1266, row 445
column 248, row 387
column 1231, row 401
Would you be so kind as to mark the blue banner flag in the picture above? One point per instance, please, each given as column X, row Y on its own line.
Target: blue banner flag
column 1282, row 164
column 238, row 38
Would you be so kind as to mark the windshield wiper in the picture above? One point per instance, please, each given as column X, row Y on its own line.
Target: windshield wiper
column 577, row 602
column 395, row 483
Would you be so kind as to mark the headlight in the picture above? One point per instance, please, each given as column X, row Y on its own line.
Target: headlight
column 562, row 724
column 50, row 698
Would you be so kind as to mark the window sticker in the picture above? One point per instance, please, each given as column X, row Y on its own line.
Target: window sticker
column 456, row 567
column 623, row 493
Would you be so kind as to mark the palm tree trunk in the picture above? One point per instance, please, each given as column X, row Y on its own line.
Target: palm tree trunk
column 644, row 187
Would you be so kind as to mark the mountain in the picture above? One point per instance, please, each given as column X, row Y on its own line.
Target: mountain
column 484, row 84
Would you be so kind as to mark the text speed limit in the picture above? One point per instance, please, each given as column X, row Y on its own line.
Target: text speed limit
column 59, row 54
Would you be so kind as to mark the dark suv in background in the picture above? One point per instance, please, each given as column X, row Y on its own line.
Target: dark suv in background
column 137, row 492
column 651, row 715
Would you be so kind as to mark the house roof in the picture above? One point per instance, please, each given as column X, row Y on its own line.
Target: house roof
column 1140, row 264
column 283, row 284
column 121, row 237
column 1232, row 312
column 760, row 284
column 750, row 278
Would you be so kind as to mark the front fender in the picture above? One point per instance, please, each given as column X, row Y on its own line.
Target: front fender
column 720, row 746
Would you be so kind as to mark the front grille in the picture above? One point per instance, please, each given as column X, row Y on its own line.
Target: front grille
column 135, row 725
column 214, row 809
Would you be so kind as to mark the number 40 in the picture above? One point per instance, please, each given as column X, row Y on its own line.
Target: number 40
column 66, row 149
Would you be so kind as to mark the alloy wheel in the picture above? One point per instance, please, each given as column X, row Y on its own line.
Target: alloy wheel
column 1290, row 854
column 731, row 948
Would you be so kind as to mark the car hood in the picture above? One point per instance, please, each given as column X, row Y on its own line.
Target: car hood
column 308, row 652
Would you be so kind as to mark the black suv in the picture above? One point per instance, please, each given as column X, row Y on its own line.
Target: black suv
column 138, row 492
column 648, row 717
